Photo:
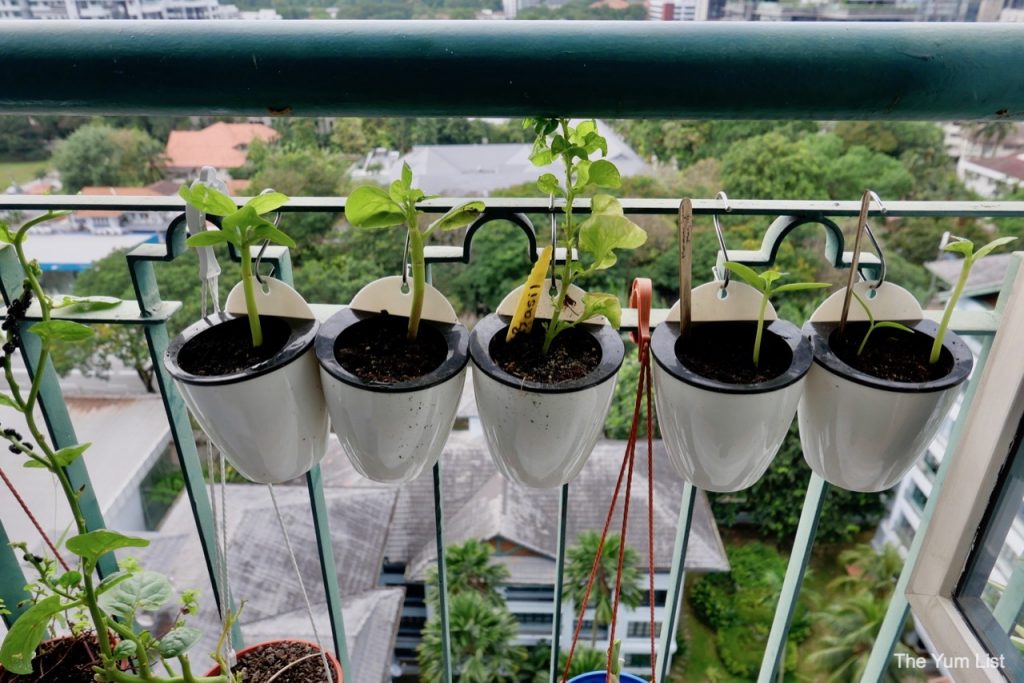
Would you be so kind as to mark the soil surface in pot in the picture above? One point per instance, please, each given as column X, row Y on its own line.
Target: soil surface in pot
column 890, row 354
column 65, row 660
column 263, row 663
column 573, row 354
column 724, row 352
column 226, row 348
column 378, row 350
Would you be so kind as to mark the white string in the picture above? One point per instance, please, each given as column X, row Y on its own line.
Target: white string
column 232, row 659
column 302, row 585
column 220, row 544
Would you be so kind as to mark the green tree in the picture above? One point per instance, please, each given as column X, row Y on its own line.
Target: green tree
column 868, row 570
column 94, row 358
column 22, row 139
column 97, row 154
column 468, row 568
column 578, row 565
column 347, row 136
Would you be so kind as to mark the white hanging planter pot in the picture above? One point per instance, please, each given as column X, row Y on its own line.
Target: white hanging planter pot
column 269, row 419
column 861, row 432
column 722, row 436
column 540, row 435
column 393, row 431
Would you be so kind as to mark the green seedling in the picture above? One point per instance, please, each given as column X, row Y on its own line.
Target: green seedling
column 243, row 227
column 590, row 246
column 73, row 598
column 765, row 283
column 966, row 248
column 372, row 207
column 872, row 325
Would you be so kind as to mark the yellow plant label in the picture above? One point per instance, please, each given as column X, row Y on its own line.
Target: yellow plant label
column 526, row 310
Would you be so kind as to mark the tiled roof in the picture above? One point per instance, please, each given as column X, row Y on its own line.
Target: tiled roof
column 986, row 276
column 106, row 190
column 222, row 145
column 1011, row 166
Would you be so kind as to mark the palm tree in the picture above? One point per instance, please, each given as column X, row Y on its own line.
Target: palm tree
column 469, row 568
column 869, row 570
column 990, row 134
column 854, row 623
column 481, row 642
column 580, row 560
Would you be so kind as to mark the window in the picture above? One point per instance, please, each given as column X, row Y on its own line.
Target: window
column 532, row 622
column 642, row 629
column 916, row 496
column 530, row 593
column 904, row 530
column 659, row 598
column 588, row 627
column 636, row 660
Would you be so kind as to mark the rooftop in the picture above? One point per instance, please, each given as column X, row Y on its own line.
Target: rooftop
column 221, row 145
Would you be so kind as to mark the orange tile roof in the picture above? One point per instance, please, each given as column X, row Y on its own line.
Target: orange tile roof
column 105, row 190
column 237, row 186
column 222, row 145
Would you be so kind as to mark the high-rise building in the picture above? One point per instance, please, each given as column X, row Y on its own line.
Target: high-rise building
column 116, row 9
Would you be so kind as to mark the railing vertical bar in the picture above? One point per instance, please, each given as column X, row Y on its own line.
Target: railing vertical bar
column 898, row 610
column 314, row 482
column 556, row 615
column 54, row 409
column 442, row 578
column 147, row 293
column 775, row 650
column 674, row 598
column 12, row 580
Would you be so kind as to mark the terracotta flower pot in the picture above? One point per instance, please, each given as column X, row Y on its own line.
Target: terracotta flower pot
column 332, row 661
column 270, row 420
column 540, row 435
column 602, row 677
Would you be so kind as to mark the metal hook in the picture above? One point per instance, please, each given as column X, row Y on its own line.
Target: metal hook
column 881, row 257
column 721, row 237
column 405, row 265
column 263, row 247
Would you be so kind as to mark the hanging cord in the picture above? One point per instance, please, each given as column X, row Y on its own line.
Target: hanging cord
column 302, row 585
column 640, row 298
column 220, row 544
column 35, row 522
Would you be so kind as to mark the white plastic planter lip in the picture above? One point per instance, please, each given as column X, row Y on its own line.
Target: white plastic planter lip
column 963, row 359
column 456, row 337
column 494, row 326
column 666, row 337
column 302, row 334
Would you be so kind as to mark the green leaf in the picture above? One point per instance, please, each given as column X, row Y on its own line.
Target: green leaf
column 770, row 276
column 586, row 128
column 265, row 203
column 800, row 286
column 582, row 175
column 605, row 204
column 34, row 465
column 208, row 200
column 61, row 330
column 398, row 192
column 112, row 580
column 406, row 175
column 371, row 207
column 239, row 222
column 601, row 234
column 603, row 173
column 461, row 215
column 178, row 641
column 68, row 455
column 69, row 578
column 540, row 155
column 268, row 231
column 146, row 591
column 207, row 238
column 994, row 244
column 895, row 326
column 548, row 184
column 965, row 247
column 599, row 303
column 87, row 303
column 558, row 145
column 6, row 236
column 746, row 274
column 25, row 635
column 125, row 649
column 94, row 544
column 8, row 402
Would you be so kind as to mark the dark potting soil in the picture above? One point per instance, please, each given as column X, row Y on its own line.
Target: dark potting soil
column 226, row 348
column 65, row 660
column 890, row 354
column 260, row 665
column 378, row 350
column 724, row 352
column 573, row 354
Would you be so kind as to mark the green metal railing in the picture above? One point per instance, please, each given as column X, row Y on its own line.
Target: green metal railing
column 152, row 313
column 677, row 70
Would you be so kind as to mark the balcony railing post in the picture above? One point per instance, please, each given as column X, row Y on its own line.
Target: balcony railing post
column 800, row 556
column 52, row 405
column 12, row 580
column 674, row 597
column 556, row 615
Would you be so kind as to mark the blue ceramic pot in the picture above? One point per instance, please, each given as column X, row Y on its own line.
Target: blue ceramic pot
column 601, row 676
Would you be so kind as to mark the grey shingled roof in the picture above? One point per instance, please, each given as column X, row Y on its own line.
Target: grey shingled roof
column 986, row 276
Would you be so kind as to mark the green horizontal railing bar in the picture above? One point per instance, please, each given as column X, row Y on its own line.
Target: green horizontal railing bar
column 740, row 70
column 127, row 312
column 746, row 207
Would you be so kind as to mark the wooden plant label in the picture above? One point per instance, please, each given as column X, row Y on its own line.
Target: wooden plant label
column 526, row 309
